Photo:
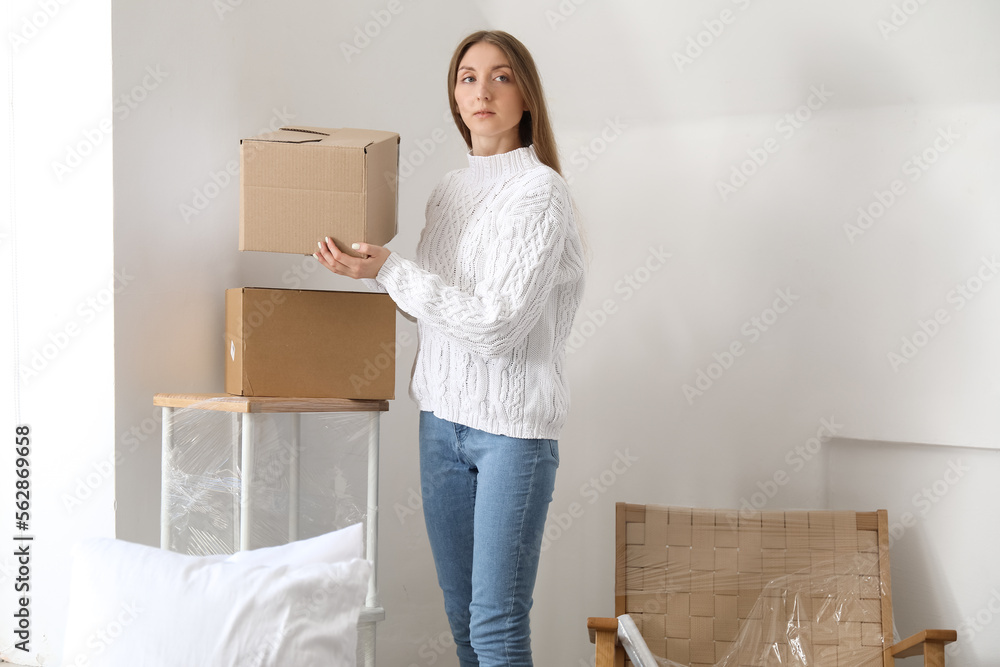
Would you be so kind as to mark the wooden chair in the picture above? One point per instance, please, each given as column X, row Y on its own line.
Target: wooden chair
column 756, row 589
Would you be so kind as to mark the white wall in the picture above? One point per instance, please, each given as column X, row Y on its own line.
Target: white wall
column 660, row 139
column 58, row 292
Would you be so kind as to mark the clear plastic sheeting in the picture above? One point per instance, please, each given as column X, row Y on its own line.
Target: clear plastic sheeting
column 635, row 647
column 309, row 477
column 750, row 589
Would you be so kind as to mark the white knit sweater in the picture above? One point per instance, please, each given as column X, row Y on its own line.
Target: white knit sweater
column 497, row 281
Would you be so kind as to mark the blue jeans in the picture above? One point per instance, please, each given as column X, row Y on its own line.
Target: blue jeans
column 485, row 499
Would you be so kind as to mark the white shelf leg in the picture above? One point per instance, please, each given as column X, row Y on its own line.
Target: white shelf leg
column 167, row 447
column 293, row 478
column 245, row 478
column 366, row 638
column 371, row 551
column 237, row 431
column 366, row 631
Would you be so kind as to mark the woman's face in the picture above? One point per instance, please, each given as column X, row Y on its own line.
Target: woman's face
column 488, row 99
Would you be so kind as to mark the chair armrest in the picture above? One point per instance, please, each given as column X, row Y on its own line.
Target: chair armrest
column 596, row 625
column 927, row 643
column 604, row 633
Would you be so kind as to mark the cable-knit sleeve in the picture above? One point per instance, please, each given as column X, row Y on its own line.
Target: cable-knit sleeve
column 516, row 273
column 373, row 285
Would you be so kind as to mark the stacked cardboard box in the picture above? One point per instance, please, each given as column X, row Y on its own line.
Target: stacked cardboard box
column 304, row 343
column 297, row 186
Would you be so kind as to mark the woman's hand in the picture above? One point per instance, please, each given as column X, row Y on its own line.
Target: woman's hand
column 330, row 256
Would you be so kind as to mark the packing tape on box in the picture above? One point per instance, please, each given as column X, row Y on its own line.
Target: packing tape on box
column 204, row 475
column 704, row 587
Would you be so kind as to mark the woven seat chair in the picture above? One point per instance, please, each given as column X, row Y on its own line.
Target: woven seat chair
column 731, row 588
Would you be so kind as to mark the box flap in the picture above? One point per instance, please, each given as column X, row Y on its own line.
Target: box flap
column 350, row 137
column 345, row 137
column 292, row 135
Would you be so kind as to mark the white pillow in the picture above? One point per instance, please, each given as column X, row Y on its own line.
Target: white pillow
column 137, row 606
column 340, row 545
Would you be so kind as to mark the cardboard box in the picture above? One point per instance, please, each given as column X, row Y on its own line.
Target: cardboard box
column 316, row 344
column 301, row 184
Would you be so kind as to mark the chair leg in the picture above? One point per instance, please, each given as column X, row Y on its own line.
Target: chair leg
column 933, row 654
column 605, row 643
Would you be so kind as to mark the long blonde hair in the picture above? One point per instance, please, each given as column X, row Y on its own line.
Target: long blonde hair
column 534, row 128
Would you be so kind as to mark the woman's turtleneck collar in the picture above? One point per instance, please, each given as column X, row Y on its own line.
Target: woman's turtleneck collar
column 491, row 166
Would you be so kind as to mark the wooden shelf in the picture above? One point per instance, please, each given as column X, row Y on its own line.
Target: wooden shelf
column 262, row 404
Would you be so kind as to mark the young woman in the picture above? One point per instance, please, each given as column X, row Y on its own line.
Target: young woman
column 494, row 289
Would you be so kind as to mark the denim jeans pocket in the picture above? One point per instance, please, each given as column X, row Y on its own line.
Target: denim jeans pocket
column 554, row 450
